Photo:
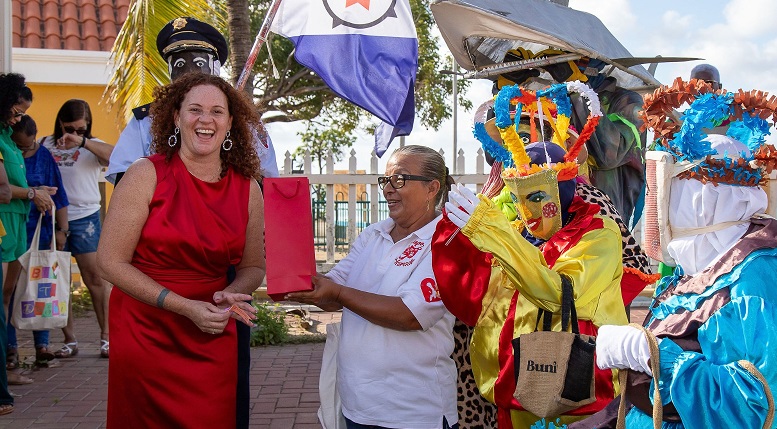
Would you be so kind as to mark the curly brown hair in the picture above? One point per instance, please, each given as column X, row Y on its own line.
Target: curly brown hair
column 245, row 121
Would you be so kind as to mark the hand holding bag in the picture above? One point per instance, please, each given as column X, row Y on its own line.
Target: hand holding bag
column 288, row 221
column 43, row 289
column 555, row 369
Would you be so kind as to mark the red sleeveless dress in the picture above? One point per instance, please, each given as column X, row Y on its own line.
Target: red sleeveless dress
column 163, row 371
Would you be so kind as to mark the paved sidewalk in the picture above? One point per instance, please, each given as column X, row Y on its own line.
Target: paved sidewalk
column 284, row 384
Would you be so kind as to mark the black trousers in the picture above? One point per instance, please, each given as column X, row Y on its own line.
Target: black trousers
column 243, row 403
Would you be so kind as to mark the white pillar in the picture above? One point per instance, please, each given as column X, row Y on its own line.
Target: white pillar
column 6, row 36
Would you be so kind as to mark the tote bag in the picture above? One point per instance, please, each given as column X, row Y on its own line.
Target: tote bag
column 330, row 413
column 288, row 225
column 555, row 369
column 43, row 289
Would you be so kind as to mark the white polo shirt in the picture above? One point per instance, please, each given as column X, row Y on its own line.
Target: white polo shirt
column 387, row 377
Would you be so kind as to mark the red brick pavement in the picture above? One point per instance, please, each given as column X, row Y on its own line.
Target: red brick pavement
column 284, row 384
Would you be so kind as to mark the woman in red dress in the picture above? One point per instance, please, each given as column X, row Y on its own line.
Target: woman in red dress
column 176, row 223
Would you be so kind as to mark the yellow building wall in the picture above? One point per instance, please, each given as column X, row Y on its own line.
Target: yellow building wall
column 46, row 101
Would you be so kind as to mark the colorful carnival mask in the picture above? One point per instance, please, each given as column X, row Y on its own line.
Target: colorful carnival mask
column 538, row 203
column 534, row 179
column 684, row 151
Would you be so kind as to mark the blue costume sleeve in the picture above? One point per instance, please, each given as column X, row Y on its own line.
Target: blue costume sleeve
column 710, row 389
column 134, row 143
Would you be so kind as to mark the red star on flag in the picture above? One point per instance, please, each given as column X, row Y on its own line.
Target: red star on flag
column 365, row 3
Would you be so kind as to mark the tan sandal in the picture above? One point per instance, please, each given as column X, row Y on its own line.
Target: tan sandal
column 6, row 409
column 16, row 379
column 67, row 351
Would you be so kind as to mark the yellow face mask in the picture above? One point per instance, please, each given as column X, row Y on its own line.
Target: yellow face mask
column 538, row 203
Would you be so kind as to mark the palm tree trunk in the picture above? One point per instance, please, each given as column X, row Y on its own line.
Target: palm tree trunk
column 240, row 40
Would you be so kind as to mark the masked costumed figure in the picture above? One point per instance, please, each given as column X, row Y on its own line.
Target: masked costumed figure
column 495, row 275
column 615, row 163
column 715, row 319
column 474, row 410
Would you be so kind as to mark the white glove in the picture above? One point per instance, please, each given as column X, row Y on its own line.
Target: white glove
column 622, row 347
column 461, row 204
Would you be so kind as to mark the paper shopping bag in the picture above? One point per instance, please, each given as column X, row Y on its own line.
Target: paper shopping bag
column 288, row 224
column 43, row 289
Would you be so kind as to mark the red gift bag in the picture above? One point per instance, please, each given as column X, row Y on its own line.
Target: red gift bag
column 288, row 232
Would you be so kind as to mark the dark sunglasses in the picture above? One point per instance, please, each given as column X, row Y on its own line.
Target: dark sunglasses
column 398, row 180
column 73, row 130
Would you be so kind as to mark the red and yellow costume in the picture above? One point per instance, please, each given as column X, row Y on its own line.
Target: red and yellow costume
column 493, row 279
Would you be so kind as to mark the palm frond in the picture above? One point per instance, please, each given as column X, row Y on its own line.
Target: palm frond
column 138, row 67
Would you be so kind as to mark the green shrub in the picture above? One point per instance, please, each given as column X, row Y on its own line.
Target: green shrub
column 270, row 325
column 80, row 300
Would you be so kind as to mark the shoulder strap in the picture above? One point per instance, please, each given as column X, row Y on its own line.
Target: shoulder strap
column 658, row 407
column 749, row 367
column 568, row 311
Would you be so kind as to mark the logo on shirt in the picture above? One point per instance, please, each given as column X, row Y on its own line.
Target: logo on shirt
column 430, row 290
column 406, row 258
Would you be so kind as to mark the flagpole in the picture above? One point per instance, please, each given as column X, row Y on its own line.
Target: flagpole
column 258, row 42
column 455, row 108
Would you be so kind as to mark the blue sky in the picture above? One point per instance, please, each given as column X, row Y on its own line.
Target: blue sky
column 739, row 37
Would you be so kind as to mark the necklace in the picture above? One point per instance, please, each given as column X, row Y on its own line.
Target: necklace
column 210, row 178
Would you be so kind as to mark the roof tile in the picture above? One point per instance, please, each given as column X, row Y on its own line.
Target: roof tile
column 52, row 33
column 68, row 24
column 16, row 23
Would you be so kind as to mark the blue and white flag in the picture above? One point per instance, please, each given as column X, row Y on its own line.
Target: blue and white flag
column 365, row 50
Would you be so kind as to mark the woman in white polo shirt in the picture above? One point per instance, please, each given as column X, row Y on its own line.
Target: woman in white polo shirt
column 394, row 366
column 80, row 158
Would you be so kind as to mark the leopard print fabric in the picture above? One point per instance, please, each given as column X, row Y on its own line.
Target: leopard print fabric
column 633, row 256
column 475, row 412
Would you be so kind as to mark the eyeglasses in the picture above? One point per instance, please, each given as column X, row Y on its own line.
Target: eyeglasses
column 16, row 113
column 398, row 180
column 73, row 130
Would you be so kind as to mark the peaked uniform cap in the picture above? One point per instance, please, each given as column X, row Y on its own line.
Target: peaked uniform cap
column 186, row 33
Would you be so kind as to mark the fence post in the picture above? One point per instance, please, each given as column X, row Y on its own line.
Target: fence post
column 351, row 200
column 330, row 212
column 460, row 162
column 287, row 167
column 374, row 190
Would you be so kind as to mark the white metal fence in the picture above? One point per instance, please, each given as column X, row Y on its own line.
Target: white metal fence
column 351, row 181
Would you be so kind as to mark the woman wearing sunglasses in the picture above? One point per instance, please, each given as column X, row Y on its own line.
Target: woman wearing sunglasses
column 12, row 108
column 80, row 157
column 393, row 366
